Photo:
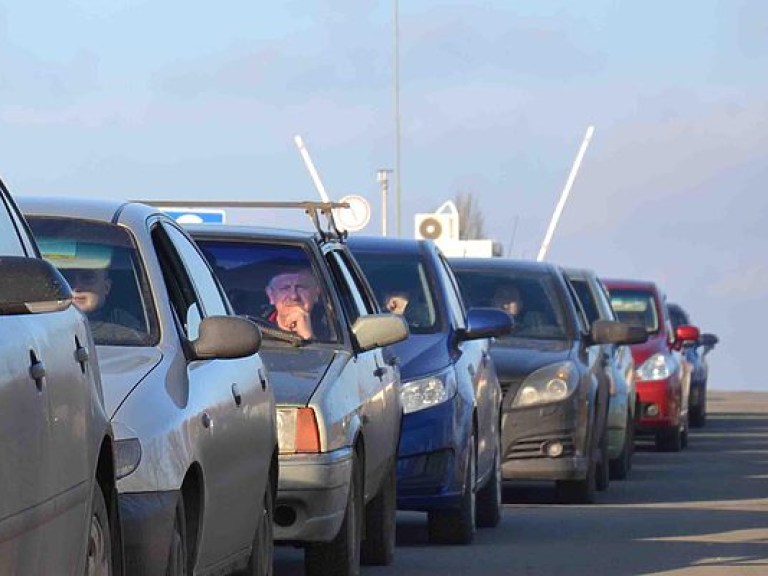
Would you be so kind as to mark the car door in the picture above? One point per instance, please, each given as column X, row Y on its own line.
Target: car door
column 232, row 400
column 375, row 378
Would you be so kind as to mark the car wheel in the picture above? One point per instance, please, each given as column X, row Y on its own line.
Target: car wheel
column 698, row 413
column 602, row 472
column 620, row 466
column 261, row 562
column 378, row 548
column 684, row 435
column 669, row 440
column 98, row 560
column 177, row 555
column 489, row 497
column 341, row 556
column 457, row 525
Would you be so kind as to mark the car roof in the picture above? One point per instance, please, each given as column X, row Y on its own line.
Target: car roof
column 99, row 209
column 245, row 232
column 389, row 244
column 625, row 284
column 579, row 273
column 480, row 264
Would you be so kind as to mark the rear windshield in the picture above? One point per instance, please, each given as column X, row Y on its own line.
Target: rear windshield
column 636, row 307
column 262, row 280
column 531, row 298
column 403, row 278
column 101, row 263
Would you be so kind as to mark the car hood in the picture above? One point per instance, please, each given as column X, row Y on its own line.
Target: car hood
column 296, row 372
column 518, row 357
column 654, row 344
column 421, row 355
column 122, row 369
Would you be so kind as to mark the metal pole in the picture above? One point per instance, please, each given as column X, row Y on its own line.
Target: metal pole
column 383, row 178
column 311, row 168
column 397, row 115
column 564, row 195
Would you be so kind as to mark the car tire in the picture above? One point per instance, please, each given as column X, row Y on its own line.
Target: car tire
column 579, row 491
column 684, row 435
column 669, row 440
column 620, row 466
column 378, row 548
column 262, row 552
column 98, row 560
column 602, row 471
column 489, row 497
column 457, row 525
column 341, row 556
column 698, row 413
column 178, row 564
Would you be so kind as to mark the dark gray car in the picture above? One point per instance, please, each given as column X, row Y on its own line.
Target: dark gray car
column 58, row 505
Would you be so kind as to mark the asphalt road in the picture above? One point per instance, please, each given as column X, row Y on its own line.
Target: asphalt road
column 702, row 512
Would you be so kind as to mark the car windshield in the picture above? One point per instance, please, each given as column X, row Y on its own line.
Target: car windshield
column 269, row 282
column 401, row 285
column 530, row 297
column 101, row 263
column 635, row 307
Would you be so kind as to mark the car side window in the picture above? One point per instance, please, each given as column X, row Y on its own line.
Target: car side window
column 455, row 302
column 10, row 240
column 586, row 298
column 605, row 300
column 353, row 303
column 581, row 317
column 208, row 288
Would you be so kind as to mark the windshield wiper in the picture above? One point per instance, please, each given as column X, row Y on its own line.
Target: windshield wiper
column 271, row 332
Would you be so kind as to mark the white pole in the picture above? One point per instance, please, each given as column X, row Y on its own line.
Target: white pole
column 311, row 167
column 564, row 195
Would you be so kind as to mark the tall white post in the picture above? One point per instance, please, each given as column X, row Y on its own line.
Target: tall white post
column 564, row 195
column 311, row 168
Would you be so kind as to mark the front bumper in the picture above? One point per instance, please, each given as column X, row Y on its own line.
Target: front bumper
column 432, row 444
column 312, row 495
column 527, row 432
column 147, row 521
column 662, row 395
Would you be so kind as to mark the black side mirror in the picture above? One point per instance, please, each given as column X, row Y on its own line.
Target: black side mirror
column 32, row 286
column 708, row 342
column 612, row 332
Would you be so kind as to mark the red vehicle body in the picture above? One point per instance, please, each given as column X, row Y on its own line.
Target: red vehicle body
column 662, row 375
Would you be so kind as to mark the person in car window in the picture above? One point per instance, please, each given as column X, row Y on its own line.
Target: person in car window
column 292, row 295
column 396, row 302
column 508, row 298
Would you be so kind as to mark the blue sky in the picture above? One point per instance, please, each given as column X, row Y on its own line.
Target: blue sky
column 192, row 100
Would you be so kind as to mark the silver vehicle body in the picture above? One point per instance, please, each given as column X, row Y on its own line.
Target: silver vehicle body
column 205, row 426
column 55, row 437
column 353, row 390
column 621, row 366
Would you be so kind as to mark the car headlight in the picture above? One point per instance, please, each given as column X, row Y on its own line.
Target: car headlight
column 427, row 392
column 549, row 384
column 127, row 456
column 297, row 431
column 655, row 368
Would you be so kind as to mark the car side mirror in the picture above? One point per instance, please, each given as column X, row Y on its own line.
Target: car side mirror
column 685, row 334
column 378, row 330
column 32, row 286
column 708, row 341
column 487, row 323
column 614, row 332
column 226, row 337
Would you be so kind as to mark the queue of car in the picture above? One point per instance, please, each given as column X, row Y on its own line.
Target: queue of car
column 181, row 399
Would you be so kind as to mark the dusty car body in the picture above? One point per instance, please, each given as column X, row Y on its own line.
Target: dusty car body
column 339, row 411
column 58, row 509
column 187, row 394
column 622, row 407
column 448, row 458
column 556, row 389
column 662, row 377
column 695, row 352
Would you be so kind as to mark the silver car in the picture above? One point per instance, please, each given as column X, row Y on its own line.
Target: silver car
column 336, row 388
column 58, row 505
column 189, row 399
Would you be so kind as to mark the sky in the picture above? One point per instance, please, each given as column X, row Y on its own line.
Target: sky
column 189, row 100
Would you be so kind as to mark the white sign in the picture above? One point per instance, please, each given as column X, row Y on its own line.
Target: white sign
column 357, row 216
column 195, row 215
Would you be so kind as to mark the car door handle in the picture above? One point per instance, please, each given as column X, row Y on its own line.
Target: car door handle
column 236, row 394
column 380, row 372
column 263, row 379
column 81, row 355
column 37, row 371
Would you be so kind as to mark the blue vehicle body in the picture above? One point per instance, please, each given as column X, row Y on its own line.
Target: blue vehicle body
column 444, row 444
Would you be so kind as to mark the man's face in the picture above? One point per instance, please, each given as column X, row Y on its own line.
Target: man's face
column 509, row 301
column 89, row 288
column 291, row 289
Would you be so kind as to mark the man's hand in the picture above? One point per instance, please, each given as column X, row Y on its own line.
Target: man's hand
column 296, row 320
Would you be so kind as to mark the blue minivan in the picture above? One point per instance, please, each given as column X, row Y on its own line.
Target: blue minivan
column 448, row 458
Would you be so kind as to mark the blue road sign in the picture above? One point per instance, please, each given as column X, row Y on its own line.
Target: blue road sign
column 196, row 215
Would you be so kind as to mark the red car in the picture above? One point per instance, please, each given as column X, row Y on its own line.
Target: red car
column 663, row 376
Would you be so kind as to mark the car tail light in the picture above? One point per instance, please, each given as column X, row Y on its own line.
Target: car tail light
column 297, row 431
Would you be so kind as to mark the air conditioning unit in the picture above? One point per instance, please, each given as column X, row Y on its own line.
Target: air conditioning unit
column 437, row 226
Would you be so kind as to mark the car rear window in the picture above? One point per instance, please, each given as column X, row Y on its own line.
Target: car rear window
column 541, row 316
column 95, row 256
column 636, row 307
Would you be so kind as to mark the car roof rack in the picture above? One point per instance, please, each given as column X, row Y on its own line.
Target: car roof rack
column 313, row 209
